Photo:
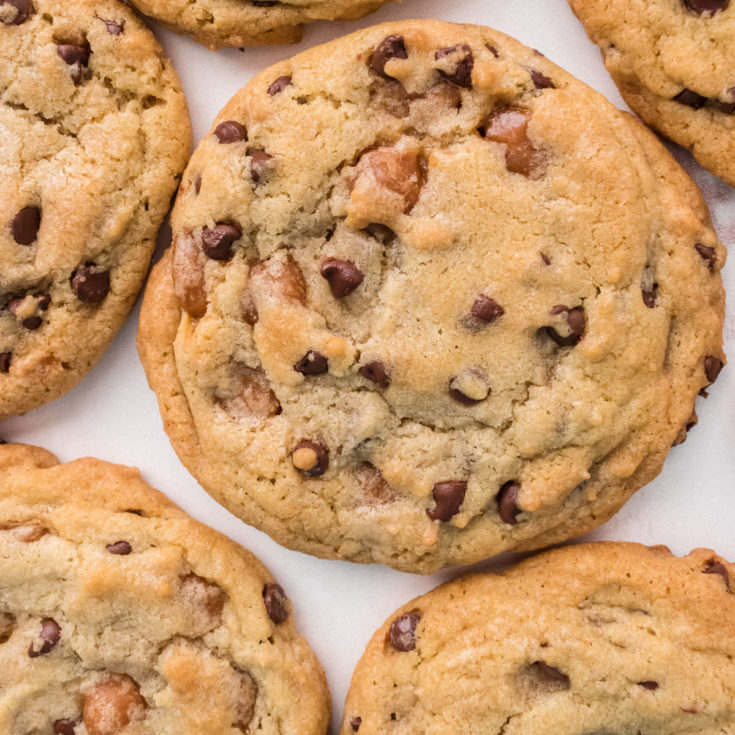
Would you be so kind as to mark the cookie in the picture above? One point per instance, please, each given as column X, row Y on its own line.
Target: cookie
column 94, row 135
column 674, row 64
column 598, row 638
column 219, row 23
column 430, row 299
column 119, row 613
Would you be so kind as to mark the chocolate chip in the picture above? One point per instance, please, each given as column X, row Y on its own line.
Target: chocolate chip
column 310, row 458
column 508, row 502
column 541, row 81
column 376, row 373
column 230, row 131
column 690, row 99
column 576, row 321
column 217, row 242
column 90, row 283
column 712, row 367
column 343, row 276
column 5, row 358
column 50, row 634
column 276, row 604
column 381, row 233
column 391, row 47
column 448, row 497
column 277, row 86
column 76, row 56
column 509, row 126
column 258, row 164
column 707, row 7
column 264, row 3
column 22, row 8
column 717, row 567
column 652, row 686
column 727, row 106
column 26, row 309
column 465, row 61
column 373, row 483
column 66, row 726
column 469, row 387
column 312, row 363
column 114, row 28
column 121, row 548
column 546, row 259
column 551, row 673
column 649, row 297
column 707, row 253
column 486, row 310
column 198, row 184
column 25, row 225
column 402, row 633
column 492, row 50
column 355, row 723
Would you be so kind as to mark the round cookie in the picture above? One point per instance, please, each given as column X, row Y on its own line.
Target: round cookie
column 94, row 135
column 674, row 63
column 120, row 613
column 430, row 298
column 598, row 638
column 219, row 23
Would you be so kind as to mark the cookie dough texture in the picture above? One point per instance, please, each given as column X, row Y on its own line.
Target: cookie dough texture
column 430, row 298
column 599, row 638
column 674, row 63
column 120, row 614
column 218, row 23
column 94, row 135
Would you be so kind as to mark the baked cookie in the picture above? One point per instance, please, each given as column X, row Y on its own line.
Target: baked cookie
column 94, row 135
column 674, row 63
column 121, row 614
column 430, row 298
column 218, row 23
column 598, row 638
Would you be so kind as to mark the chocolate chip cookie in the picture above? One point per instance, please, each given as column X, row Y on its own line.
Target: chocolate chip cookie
column 430, row 298
column 219, row 23
column 674, row 63
column 598, row 638
column 119, row 613
column 94, row 135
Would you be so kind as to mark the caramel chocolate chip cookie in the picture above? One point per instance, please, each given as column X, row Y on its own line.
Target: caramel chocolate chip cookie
column 95, row 135
column 120, row 614
column 463, row 306
column 674, row 63
column 598, row 638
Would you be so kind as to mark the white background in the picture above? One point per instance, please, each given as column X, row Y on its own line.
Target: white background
column 113, row 415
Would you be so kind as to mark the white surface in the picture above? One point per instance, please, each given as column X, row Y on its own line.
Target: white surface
column 113, row 415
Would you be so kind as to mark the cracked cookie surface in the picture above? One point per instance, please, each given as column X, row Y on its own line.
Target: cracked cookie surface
column 121, row 614
column 95, row 133
column 674, row 64
column 430, row 298
column 219, row 23
column 591, row 639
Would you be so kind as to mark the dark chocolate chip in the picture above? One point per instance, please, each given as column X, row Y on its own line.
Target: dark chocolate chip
column 23, row 9
column 717, row 567
column 492, row 50
column 343, row 276
column 727, row 106
column 462, row 74
column 312, row 363
column 276, row 604
column 551, row 673
column 712, row 367
column 402, row 633
column 381, row 233
column 121, row 548
column 652, row 686
column 708, row 254
column 114, row 28
column 448, row 498
column 90, row 283
column 576, row 321
column 310, row 458
column 230, row 131
column 707, row 7
column 198, row 184
column 546, row 259
column 508, row 502
column 50, row 634
column 355, row 723
column 33, row 321
column 25, row 225
column 217, row 242
column 391, row 47
column 5, row 358
column 66, row 726
column 277, row 86
column 469, row 387
column 541, row 81
column 76, row 56
column 376, row 373
column 258, row 164
column 486, row 310
column 649, row 297
column 690, row 99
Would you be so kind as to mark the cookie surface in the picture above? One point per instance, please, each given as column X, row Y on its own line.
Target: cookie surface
column 121, row 614
column 598, row 638
column 430, row 298
column 94, row 135
column 674, row 63
column 219, row 23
